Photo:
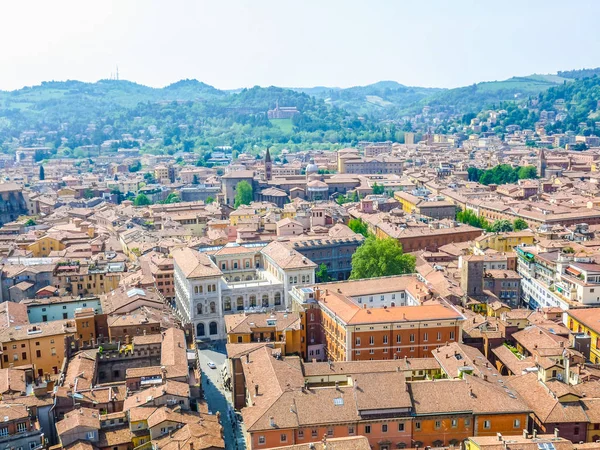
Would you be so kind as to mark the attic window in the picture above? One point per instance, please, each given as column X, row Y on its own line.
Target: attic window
column 339, row 401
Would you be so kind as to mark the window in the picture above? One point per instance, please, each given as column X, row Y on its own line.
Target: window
column 351, row 430
column 575, row 430
column 90, row 435
column 385, row 339
column 467, row 422
column 398, row 339
column 371, row 340
column 412, row 338
column 439, row 336
column 367, row 429
column 32, row 445
column 517, row 423
column 401, row 427
column 357, row 341
column 300, row 434
column 21, row 427
column 24, row 355
column 261, row 440
column 15, row 357
column 438, row 424
column 384, row 428
column 283, row 437
column 3, row 431
column 487, row 424
column 425, row 337
column 452, row 335
column 418, row 426
column 53, row 351
column 454, row 423
column 38, row 354
column 313, row 432
column 330, row 432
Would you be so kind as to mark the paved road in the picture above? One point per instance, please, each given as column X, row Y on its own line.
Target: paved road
column 218, row 398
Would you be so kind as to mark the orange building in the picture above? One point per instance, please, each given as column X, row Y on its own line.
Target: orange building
column 288, row 402
column 384, row 318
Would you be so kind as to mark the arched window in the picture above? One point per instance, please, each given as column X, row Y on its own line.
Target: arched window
column 200, row 330
column 235, row 265
column 199, row 309
column 213, row 307
column 195, row 289
column 237, row 279
column 291, row 280
column 248, row 277
column 303, row 279
column 247, row 264
column 277, row 298
column 253, row 301
column 227, row 304
column 265, row 301
column 240, row 303
column 200, row 288
column 295, row 280
column 212, row 328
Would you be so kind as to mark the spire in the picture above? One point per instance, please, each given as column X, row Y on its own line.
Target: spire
column 267, row 156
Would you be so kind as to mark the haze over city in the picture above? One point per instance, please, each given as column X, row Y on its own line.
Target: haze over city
column 294, row 44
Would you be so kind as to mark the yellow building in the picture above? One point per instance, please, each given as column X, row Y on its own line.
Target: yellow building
column 586, row 321
column 408, row 201
column 161, row 173
column 283, row 329
column 504, row 242
column 87, row 280
column 41, row 344
column 241, row 214
column 43, row 246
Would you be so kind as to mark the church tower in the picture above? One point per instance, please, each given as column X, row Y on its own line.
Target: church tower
column 541, row 169
column 268, row 166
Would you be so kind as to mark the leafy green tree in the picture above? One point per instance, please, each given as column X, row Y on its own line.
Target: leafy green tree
column 470, row 218
column 378, row 189
column 243, row 194
column 88, row 193
column 322, row 274
column 358, row 226
column 195, row 179
column 209, row 200
column 501, row 226
column 42, row 174
column 520, row 224
column 136, row 166
column 142, row 200
column 30, row 223
column 381, row 258
column 172, row 198
column 527, row 172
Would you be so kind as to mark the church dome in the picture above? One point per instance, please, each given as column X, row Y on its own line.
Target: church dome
column 312, row 167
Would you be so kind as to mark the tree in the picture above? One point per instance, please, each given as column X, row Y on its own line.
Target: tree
column 378, row 189
column 501, row 226
column 470, row 218
column 135, row 167
column 520, row 224
column 322, row 274
column 381, row 258
column 88, row 193
column 358, row 226
column 527, row 172
column 243, row 194
column 42, row 174
column 30, row 223
column 209, row 200
column 172, row 198
column 142, row 200
column 195, row 179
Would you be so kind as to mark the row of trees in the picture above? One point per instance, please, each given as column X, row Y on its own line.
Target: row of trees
column 501, row 174
column 499, row 226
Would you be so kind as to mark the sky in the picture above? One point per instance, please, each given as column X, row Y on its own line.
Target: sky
column 233, row 44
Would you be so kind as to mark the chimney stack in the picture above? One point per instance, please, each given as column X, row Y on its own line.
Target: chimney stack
column 525, row 435
column 556, row 432
column 499, row 436
column 256, row 390
column 272, row 421
column 534, row 434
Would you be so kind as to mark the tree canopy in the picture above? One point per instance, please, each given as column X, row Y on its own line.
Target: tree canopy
column 520, row 224
column 358, row 226
column 42, row 173
column 243, row 194
column 470, row 218
column 323, row 274
column 501, row 174
column 501, row 226
column 381, row 258
column 378, row 189
column 142, row 200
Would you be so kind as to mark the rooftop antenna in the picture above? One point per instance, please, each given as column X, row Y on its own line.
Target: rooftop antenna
column 117, row 72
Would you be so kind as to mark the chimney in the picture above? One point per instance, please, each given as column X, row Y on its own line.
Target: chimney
column 256, row 390
column 247, row 358
column 191, row 446
column 556, row 432
column 525, row 435
column 272, row 421
column 534, row 434
column 337, row 385
column 499, row 436
column 364, row 306
column 484, row 377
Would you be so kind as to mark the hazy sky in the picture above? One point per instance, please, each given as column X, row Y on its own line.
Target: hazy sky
column 231, row 44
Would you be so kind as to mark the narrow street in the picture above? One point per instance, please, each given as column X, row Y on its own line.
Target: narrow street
column 218, row 398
